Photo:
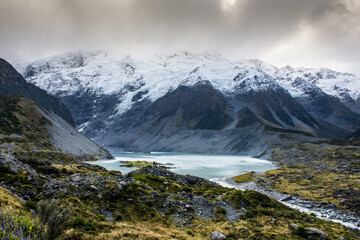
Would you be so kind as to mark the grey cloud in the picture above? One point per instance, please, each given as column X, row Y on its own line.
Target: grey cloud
column 246, row 29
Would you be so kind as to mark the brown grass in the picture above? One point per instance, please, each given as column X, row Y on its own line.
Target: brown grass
column 246, row 177
column 7, row 199
column 146, row 231
column 310, row 184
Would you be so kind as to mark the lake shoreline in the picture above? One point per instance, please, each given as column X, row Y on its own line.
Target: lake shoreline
column 207, row 166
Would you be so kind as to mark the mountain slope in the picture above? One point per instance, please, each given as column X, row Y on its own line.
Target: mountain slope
column 192, row 119
column 26, row 126
column 355, row 136
column 11, row 82
column 336, row 108
column 197, row 107
column 109, row 95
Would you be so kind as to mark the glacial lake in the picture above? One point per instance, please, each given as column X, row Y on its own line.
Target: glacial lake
column 210, row 166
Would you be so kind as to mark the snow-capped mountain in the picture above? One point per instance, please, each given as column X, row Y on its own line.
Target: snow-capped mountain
column 98, row 71
column 342, row 85
column 117, row 100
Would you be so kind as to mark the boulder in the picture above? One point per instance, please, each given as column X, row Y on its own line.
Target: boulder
column 216, row 235
column 294, row 226
column 315, row 233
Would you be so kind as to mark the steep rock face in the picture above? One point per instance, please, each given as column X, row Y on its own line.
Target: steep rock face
column 86, row 105
column 197, row 107
column 330, row 109
column 277, row 108
column 188, row 110
column 246, row 118
column 11, row 82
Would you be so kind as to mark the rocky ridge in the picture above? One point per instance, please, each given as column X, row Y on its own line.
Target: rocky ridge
column 112, row 96
column 11, row 82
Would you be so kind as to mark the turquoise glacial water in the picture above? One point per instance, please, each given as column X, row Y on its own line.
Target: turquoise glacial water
column 210, row 166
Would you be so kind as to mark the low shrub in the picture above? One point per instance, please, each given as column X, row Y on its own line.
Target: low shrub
column 42, row 166
column 14, row 225
column 301, row 232
column 190, row 232
column 30, row 205
column 249, row 213
column 5, row 169
column 81, row 224
column 101, row 218
column 54, row 218
column 21, row 178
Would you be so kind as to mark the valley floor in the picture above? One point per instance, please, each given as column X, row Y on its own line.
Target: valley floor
column 150, row 203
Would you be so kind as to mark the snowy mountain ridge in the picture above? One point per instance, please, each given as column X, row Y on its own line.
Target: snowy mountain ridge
column 105, row 74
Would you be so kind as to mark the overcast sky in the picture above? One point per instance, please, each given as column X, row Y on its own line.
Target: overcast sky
column 309, row 33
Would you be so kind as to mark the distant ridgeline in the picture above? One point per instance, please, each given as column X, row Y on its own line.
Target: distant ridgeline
column 168, row 103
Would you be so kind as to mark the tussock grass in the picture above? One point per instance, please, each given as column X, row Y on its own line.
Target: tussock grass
column 20, row 116
column 246, row 177
column 311, row 184
column 147, row 231
column 9, row 200
column 141, row 164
